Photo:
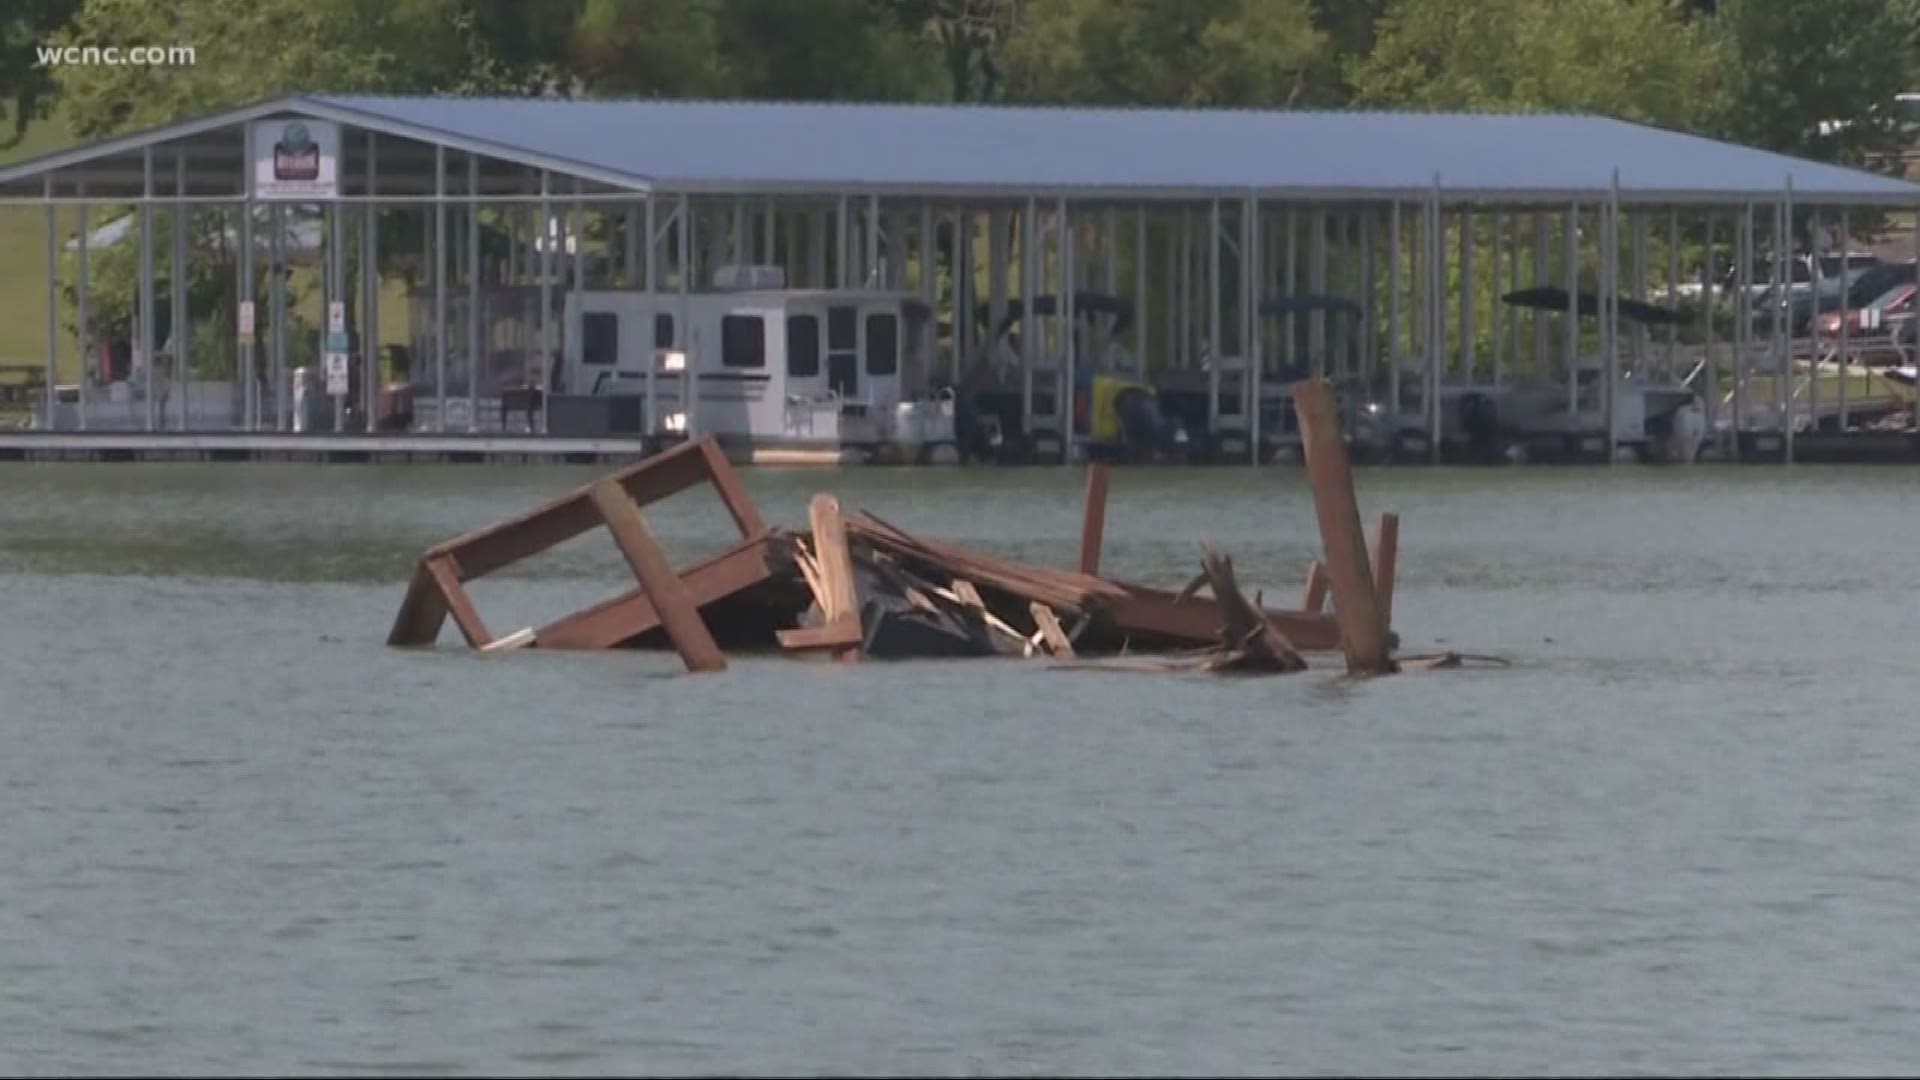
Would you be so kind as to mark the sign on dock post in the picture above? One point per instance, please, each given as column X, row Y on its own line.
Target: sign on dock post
column 336, row 373
column 246, row 322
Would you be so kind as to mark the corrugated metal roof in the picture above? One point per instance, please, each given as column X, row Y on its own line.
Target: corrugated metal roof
column 1016, row 150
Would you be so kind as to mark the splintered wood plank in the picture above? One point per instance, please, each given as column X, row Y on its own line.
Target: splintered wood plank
column 519, row 639
column 675, row 605
column 834, row 635
column 1386, row 564
column 1314, row 597
column 841, row 595
column 1093, row 523
column 446, row 573
column 1355, row 606
column 1050, row 632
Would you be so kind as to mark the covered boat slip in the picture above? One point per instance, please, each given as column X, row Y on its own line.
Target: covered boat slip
column 927, row 282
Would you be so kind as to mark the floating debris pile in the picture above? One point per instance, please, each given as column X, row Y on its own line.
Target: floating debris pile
column 854, row 586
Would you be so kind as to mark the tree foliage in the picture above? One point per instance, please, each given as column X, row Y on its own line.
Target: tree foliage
column 1638, row 60
column 24, row 84
column 1171, row 52
column 1794, row 68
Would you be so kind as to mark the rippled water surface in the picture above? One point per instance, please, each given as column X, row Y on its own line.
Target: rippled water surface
column 1680, row 835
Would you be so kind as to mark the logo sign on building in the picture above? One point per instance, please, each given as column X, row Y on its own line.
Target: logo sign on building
column 295, row 159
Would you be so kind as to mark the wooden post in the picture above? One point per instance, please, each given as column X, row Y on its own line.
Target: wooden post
column 446, row 574
column 842, row 598
column 1386, row 561
column 1355, row 607
column 1093, row 526
column 662, row 586
column 423, row 611
column 1313, row 600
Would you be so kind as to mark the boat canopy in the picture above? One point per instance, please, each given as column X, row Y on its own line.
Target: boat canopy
column 1274, row 307
column 1554, row 298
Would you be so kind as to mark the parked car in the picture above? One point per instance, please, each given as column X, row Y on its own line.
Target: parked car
column 1876, row 315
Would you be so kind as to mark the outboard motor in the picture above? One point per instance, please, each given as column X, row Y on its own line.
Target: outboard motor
column 1145, row 431
column 1480, row 422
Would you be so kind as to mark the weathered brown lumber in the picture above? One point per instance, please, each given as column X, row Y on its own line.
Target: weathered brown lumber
column 1314, row 597
column 557, row 520
column 1058, row 589
column 446, row 574
column 964, row 594
column 675, row 605
column 1093, row 523
column 627, row 616
column 1050, row 632
column 1355, row 606
column 1249, row 641
column 422, row 612
column 1386, row 564
column 841, row 598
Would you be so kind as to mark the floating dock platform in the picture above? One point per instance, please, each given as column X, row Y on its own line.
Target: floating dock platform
column 361, row 448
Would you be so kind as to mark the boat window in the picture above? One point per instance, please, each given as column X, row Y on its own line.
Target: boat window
column 803, row 346
column 599, row 338
column 662, row 330
column 743, row 341
column 843, row 326
column 883, row 344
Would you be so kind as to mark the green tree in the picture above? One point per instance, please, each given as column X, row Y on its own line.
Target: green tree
column 1794, row 68
column 1638, row 60
column 811, row 49
column 26, row 85
column 1171, row 52
column 248, row 49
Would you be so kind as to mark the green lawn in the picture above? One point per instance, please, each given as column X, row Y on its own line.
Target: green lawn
column 23, row 276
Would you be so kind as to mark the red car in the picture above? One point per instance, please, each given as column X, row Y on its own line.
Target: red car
column 1896, row 302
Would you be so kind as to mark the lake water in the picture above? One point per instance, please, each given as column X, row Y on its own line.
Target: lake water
column 1681, row 834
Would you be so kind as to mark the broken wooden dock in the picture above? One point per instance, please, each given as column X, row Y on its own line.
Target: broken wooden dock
column 853, row 586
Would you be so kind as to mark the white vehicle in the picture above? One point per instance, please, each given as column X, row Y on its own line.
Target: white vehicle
column 835, row 373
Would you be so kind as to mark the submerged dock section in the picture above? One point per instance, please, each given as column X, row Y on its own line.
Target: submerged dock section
column 853, row 586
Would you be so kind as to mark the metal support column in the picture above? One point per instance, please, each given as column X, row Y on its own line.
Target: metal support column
column 1068, row 351
column 177, row 291
column 1141, row 263
column 649, row 413
column 1607, row 296
column 1495, row 313
column 1436, row 318
column 1029, row 325
column 1673, row 288
column 543, row 243
column 842, row 267
column 1570, row 319
column 1394, row 348
column 48, row 396
column 440, row 287
column 1542, row 274
column 869, row 272
column 1846, row 312
column 370, row 295
column 1250, row 318
column 1215, row 351
column 683, row 317
column 476, row 346
column 337, row 286
column 1467, row 360
column 83, row 313
column 929, row 276
column 145, row 315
